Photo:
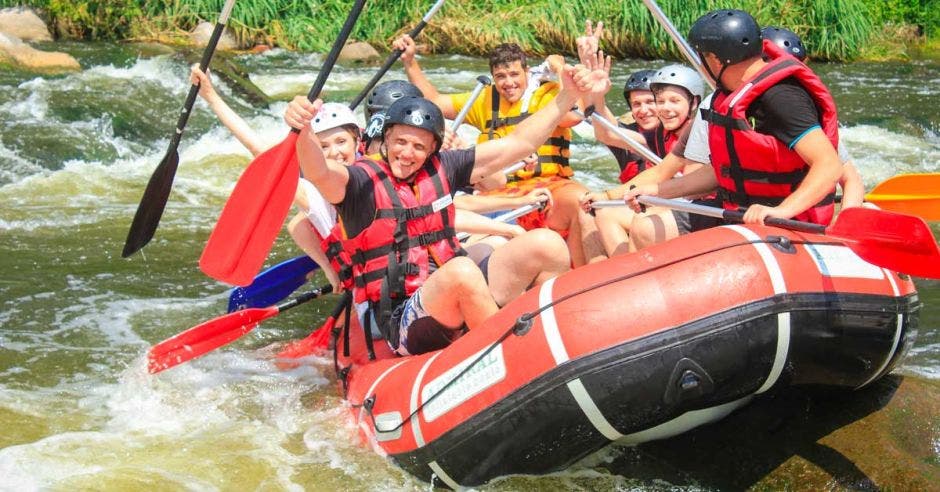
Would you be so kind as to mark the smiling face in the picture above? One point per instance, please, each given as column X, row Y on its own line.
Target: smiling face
column 510, row 80
column 408, row 149
column 339, row 145
column 643, row 108
column 673, row 107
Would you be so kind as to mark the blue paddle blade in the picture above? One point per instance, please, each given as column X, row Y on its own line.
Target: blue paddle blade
column 272, row 285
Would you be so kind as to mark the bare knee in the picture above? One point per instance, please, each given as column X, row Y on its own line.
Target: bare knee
column 644, row 231
column 548, row 248
column 463, row 274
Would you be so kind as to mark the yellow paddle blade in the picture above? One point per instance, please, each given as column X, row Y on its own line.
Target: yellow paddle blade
column 912, row 194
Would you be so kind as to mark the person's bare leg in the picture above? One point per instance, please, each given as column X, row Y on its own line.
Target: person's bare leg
column 591, row 243
column 526, row 261
column 613, row 225
column 563, row 216
column 457, row 293
column 656, row 226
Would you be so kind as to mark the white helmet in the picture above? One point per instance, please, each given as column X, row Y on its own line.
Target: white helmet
column 681, row 76
column 333, row 115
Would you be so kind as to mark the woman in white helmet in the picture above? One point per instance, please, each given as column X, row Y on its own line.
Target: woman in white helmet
column 339, row 138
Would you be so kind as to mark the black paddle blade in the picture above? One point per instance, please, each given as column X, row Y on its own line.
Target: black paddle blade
column 152, row 204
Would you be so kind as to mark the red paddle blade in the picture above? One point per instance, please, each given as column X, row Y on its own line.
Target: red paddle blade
column 205, row 337
column 899, row 242
column 253, row 216
column 316, row 342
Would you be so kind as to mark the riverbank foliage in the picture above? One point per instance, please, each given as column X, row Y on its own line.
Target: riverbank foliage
column 833, row 29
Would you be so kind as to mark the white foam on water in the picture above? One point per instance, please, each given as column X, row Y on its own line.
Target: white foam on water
column 880, row 153
column 34, row 107
column 13, row 167
column 162, row 70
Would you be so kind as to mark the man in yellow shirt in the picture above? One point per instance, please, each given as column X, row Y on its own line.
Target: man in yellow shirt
column 500, row 107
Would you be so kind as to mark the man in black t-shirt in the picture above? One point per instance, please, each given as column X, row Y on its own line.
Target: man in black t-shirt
column 802, row 125
column 457, row 292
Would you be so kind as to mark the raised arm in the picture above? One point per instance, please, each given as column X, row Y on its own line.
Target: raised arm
column 416, row 76
column 329, row 177
column 225, row 114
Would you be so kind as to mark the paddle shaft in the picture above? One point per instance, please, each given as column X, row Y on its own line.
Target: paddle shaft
column 482, row 82
column 729, row 215
column 203, row 65
column 680, row 41
column 153, row 202
column 394, row 55
column 313, row 294
column 506, row 217
column 637, row 147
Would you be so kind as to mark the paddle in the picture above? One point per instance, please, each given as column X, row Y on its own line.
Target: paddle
column 217, row 332
column 506, row 217
column 898, row 242
column 319, row 339
column 913, row 194
column 393, row 56
column 272, row 285
column 153, row 202
column 482, row 82
column 255, row 211
column 684, row 47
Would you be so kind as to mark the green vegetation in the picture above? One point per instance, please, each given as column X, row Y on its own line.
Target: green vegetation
column 833, row 29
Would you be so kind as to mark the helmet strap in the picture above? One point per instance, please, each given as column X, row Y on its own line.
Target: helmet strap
column 716, row 78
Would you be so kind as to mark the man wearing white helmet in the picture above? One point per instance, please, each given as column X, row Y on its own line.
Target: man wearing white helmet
column 397, row 214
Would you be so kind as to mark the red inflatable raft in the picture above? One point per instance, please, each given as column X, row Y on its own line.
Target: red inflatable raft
column 636, row 348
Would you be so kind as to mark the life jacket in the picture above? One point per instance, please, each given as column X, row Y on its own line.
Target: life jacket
column 657, row 140
column 340, row 260
column 553, row 154
column 754, row 167
column 413, row 225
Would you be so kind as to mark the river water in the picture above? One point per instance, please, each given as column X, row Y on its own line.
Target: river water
column 77, row 408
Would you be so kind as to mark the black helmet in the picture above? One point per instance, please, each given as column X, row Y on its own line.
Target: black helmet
column 419, row 113
column 786, row 39
column 732, row 35
column 384, row 94
column 639, row 81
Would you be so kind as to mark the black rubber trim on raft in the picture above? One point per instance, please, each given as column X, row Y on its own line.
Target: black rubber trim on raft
column 630, row 383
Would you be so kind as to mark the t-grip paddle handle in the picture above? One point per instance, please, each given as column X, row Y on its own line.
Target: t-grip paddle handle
column 482, row 82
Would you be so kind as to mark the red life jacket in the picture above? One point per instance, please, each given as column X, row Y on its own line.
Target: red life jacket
column 340, row 260
column 657, row 141
column 413, row 225
column 754, row 167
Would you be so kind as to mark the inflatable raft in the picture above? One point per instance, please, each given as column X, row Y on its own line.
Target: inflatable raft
column 636, row 348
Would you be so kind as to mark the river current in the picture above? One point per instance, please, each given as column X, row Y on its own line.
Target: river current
column 77, row 407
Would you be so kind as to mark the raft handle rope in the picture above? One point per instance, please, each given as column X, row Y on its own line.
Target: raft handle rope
column 524, row 323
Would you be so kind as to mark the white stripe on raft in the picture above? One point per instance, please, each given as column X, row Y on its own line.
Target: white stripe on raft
column 440, row 473
column 897, row 334
column 415, row 421
column 591, row 411
column 560, row 353
column 780, row 287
